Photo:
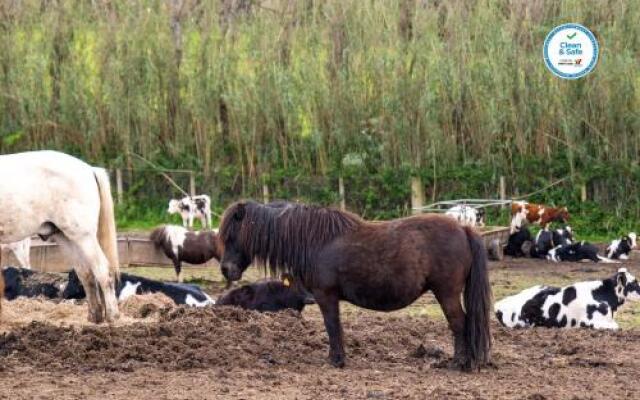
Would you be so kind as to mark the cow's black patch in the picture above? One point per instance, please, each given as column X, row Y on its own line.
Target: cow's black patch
column 513, row 317
column 606, row 293
column 569, row 295
column 499, row 317
column 554, row 310
column 602, row 308
column 532, row 310
column 542, row 244
column 573, row 322
column 563, row 322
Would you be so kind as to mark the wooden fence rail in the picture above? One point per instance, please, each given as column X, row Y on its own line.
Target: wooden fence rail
column 132, row 250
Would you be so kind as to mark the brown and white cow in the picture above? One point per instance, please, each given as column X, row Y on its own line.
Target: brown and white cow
column 523, row 212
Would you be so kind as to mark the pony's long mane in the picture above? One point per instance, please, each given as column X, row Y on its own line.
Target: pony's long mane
column 283, row 236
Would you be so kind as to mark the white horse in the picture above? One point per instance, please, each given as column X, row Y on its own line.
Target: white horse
column 52, row 194
column 21, row 250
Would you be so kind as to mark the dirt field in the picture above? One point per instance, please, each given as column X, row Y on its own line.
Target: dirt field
column 179, row 353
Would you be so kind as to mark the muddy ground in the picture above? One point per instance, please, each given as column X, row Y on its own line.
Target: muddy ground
column 179, row 353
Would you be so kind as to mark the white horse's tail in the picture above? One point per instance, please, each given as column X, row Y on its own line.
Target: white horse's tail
column 107, row 236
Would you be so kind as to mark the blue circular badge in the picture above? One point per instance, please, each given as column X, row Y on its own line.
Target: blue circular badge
column 570, row 51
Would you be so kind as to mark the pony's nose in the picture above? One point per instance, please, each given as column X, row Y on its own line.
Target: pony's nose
column 225, row 271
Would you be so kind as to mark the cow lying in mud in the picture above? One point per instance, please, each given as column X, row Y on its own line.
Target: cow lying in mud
column 130, row 285
column 575, row 252
column 28, row 283
column 590, row 304
column 546, row 240
column 621, row 248
column 270, row 295
column 521, row 243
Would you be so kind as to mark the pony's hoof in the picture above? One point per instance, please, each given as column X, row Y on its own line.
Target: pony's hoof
column 454, row 365
column 337, row 361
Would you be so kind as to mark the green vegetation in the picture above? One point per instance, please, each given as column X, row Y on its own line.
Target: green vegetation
column 297, row 93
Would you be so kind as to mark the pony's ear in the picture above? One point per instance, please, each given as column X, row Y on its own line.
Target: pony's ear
column 240, row 212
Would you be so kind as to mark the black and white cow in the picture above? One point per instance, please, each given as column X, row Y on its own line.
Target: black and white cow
column 269, row 295
column 577, row 252
column 467, row 215
column 28, row 283
column 547, row 240
column 517, row 242
column 542, row 244
column 130, row 285
column 589, row 304
column 621, row 248
column 562, row 236
column 181, row 245
column 190, row 207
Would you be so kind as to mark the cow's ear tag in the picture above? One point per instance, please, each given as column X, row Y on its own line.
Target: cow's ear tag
column 286, row 282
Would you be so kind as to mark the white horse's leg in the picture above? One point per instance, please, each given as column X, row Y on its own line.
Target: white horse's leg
column 98, row 265
column 96, row 313
column 96, row 310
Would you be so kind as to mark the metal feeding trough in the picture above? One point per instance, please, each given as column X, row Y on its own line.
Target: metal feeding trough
column 495, row 237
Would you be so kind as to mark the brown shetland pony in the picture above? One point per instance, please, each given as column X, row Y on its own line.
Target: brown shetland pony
column 380, row 266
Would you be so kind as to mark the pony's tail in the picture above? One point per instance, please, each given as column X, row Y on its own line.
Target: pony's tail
column 477, row 304
column 106, row 223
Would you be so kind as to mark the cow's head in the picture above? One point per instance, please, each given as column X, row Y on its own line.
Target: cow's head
column 480, row 215
column 563, row 214
column 174, row 206
column 567, row 233
column 627, row 286
column 633, row 237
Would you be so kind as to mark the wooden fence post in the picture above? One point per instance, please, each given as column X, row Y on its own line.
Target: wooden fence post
column 503, row 189
column 119, row 190
column 343, row 203
column 192, row 183
column 265, row 193
column 583, row 192
column 417, row 195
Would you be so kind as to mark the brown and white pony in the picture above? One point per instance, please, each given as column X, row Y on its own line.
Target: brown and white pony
column 56, row 195
column 523, row 212
column 381, row 266
column 182, row 245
